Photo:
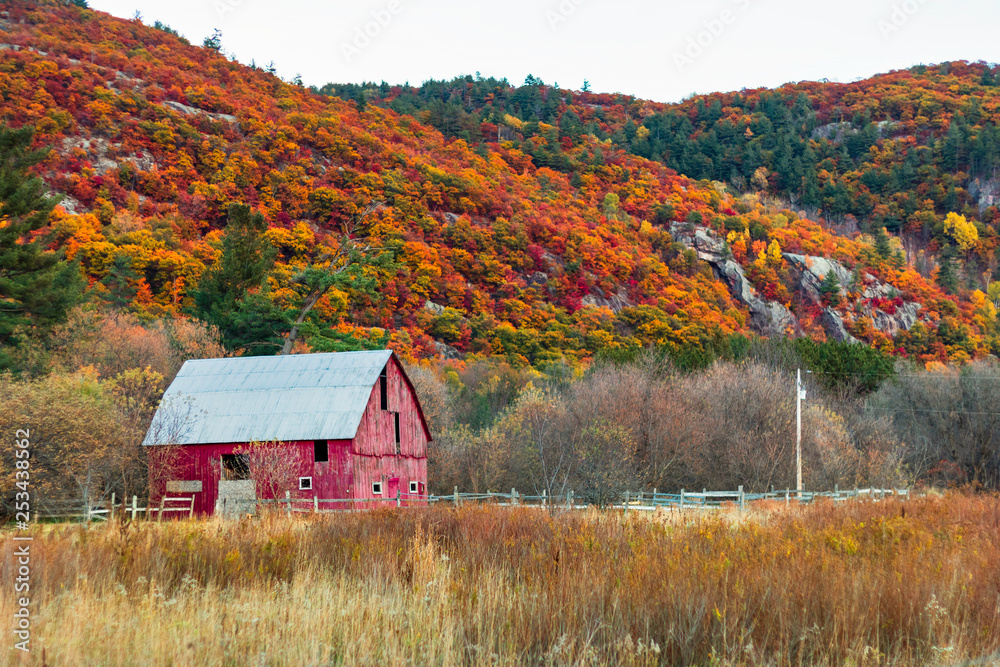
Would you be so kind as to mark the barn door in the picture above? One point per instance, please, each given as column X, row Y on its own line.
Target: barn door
column 392, row 486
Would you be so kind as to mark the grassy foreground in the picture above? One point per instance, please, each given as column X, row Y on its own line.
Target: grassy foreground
column 854, row 584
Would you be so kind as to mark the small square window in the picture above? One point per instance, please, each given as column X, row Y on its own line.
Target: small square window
column 376, row 488
column 305, row 483
column 414, row 488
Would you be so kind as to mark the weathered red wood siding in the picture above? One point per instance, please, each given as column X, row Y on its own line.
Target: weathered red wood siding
column 201, row 463
column 374, row 450
column 332, row 480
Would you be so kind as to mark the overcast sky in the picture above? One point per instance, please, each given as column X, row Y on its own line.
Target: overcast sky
column 657, row 50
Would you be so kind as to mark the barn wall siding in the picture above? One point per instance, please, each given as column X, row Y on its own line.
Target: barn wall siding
column 376, row 434
column 370, row 469
column 201, row 462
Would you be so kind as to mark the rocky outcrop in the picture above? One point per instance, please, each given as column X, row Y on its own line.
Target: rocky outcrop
column 446, row 352
column 769, row 318
column 986, row 192
column 616, row 302
column 837, row 132
column 813, row 270
column 889, row 318
column 191, row 111
column 878, row 301
column 835, row 329
column 435, row 308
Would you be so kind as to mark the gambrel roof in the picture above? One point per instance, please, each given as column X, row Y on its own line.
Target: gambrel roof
column 261, row 399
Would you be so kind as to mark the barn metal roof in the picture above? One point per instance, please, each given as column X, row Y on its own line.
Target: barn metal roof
column 259, row 399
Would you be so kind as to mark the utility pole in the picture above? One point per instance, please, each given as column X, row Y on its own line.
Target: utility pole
column 800, row 394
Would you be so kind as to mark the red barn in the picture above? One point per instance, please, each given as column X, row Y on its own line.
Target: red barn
column 343, row 425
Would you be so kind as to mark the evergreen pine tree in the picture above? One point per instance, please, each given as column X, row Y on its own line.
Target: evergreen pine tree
column 882, row 245
column 233, row 293
column 36, row 288
column 829, row 289
column 947, row 277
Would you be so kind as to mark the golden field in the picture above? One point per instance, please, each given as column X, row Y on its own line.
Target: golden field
column 860, row 583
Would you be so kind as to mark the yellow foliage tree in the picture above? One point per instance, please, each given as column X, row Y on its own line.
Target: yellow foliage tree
column 961, row 230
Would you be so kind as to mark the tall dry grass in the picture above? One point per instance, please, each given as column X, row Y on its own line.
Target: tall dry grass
column 860, row 583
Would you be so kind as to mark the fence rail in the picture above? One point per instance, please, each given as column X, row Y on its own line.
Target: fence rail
column 630, row 501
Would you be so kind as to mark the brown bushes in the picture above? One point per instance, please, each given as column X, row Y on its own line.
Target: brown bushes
column 730, row 425
column 856, row 583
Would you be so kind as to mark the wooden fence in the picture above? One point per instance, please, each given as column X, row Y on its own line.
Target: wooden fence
column 630, row 501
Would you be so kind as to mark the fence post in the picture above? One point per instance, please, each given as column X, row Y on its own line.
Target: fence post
column 569, row 500
column 456, row 496
column 135, row 506
column 513, row 497
column 191, row 511
column 682, row 500
column 626, row 502
column 786, row 498
column 544, row 499
column 159, row 515
column 315, row 504
column 288, row 503
column 742, row 499
column 397, row 497
column 111, row 509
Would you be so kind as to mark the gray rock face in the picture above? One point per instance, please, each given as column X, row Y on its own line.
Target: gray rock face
column 616, row 302
column 190, row 111
column 769, row 318
column 435, row 308
column 835, row 329
column 837, row 132
column 985, row 192
column 446, row 351
column 815, row 269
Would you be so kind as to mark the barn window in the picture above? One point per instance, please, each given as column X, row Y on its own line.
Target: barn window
column 235, row 466
column 305, row 483
column 414, row 488
column 376, row 488
column 383, row 387
column 321, row 451
column 396, row 420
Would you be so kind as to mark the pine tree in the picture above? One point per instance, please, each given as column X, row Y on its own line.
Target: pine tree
column 829, row 289
column 36, row 288
column 882, row 245
column 233, row 293
column 947, row 276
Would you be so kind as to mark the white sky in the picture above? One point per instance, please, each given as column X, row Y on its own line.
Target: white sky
column 647, row 49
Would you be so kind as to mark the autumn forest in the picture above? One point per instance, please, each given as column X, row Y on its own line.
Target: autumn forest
column 163, row 202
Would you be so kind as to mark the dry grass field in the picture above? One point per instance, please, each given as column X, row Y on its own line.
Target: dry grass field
column 861, row 583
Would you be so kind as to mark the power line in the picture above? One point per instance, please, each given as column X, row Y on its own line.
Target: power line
column 949, row 412
column 927, row 375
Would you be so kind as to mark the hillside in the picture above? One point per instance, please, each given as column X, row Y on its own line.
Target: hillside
column 539, row 237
